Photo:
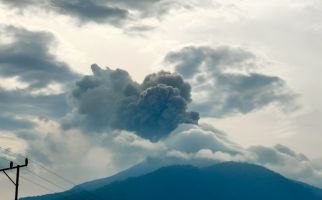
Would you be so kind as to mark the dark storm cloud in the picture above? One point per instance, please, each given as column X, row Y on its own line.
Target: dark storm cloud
column 90, row 10
column 190, row 59
column 27, row 57
column 111, row 99
column 222, row 80
column 115, row 12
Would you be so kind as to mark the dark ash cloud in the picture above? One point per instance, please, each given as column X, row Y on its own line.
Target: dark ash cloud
column 111, row 99
column 223, row 82
column 168, row 79
column 28, row 57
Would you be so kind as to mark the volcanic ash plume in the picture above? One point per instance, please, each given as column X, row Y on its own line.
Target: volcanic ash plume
column 110, row 99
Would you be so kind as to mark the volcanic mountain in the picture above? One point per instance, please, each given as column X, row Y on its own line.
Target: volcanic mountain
column 222, row 181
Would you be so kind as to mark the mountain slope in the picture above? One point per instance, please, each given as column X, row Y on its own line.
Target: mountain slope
column 147, row 166
column 227, row 181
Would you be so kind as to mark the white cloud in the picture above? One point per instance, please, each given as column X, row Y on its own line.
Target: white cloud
column 100, row 156
column 12, row 84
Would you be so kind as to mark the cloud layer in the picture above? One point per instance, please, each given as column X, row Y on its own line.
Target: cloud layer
column 223, row 81
column 114, row 12
column 110, row 99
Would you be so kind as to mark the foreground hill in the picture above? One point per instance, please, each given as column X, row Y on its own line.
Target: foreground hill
column 226, row 181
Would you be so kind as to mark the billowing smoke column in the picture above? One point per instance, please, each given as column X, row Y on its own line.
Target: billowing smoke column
column 111, row 99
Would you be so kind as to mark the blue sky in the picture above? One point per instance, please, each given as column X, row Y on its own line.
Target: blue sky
column 247, row 71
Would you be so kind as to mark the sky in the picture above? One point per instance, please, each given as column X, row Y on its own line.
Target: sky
column 104, row 84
